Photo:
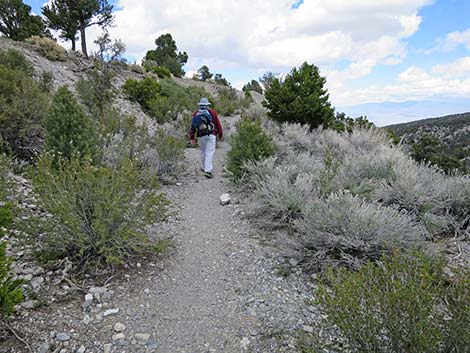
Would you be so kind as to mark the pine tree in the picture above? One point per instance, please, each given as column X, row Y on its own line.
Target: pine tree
column 68, row 15
column 61, row 18
column 17, row 22
column 300, row 98
column 69, row 130
column 166, row 55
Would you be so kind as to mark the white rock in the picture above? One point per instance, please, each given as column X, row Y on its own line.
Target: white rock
column 118, row 336
column 308, row 329
column 224, row 199
column 107, row 348
column 89, row 297
column 142, row 337
column 81, row 349
column 62, row 337
column 86, row 319
column 111, row 312
column 146, row 291
column 119, row 327
column 244, row 343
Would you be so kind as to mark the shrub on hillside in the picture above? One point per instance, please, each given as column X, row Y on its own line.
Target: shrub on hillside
column 161, row 71
column 137, row 69
column 48, row 48
column 99, row 214
column 22, row 107
column 15, row 60
column 441, row 202
column 403, row 304
column 10, row 291
column 249, row 144
column 343, row 229
column 163, row 100
column 69, row 131
column 228, row 101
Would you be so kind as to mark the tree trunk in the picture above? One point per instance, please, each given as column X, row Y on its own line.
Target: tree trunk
column 83, row 38
column 73, row 45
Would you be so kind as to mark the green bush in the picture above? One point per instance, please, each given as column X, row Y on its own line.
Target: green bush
column 300, row 98
column 142, row 91
column 22, row 107
column 404, row 304
column 15, row 60
column 69, row 130
column 48, row 48
column 229, row 101
column 162, row 100
column 99, row 214
column 10, row 291
column 249, row 144
column 161, row 71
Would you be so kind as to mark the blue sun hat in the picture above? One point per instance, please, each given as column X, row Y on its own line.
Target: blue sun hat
column 204, row 102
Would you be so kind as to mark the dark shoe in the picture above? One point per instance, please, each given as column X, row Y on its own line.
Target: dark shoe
column 208, row 175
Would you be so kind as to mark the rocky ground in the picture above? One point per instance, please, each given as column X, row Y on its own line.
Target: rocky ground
column 221, row 289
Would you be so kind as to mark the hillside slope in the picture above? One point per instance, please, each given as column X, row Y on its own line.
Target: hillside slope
column 452, row 130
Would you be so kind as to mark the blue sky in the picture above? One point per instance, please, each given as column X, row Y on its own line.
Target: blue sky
column 372, row 52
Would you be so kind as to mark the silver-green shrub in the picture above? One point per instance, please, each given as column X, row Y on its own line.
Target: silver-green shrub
column 348, row 230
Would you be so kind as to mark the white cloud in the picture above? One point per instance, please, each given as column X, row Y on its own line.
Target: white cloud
column 457, row 69
column 268, row 34
column 452, row 41
column 413, row 84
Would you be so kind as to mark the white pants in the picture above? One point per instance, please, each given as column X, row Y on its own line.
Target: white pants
column 207, row 144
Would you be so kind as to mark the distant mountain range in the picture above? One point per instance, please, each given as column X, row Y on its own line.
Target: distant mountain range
column 388, row 113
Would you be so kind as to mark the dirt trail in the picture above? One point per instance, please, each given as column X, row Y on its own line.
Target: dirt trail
column 221, row 290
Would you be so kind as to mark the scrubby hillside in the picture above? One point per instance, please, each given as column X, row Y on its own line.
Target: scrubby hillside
column 452, row 130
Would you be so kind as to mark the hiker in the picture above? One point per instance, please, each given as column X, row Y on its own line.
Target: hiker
column 206, row 126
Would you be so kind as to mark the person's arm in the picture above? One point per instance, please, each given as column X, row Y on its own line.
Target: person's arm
column 218, row 125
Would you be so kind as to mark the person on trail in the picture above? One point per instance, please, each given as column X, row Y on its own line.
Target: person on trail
column 206, row 127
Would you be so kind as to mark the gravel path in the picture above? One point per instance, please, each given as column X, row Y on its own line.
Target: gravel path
column 222, row 290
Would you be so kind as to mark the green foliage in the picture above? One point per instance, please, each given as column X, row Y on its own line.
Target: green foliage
column 48, row 48
column 267, row 79
column 17, row 22
column 99, row 214
column 344, row 123
column 70, row 16
column 15, row 60
column 228, row 101
column 166, row 55
column 142, row 92
column 220, row 80
column 22, row 107
column 10, row 291
column 161, row 71
column 203, row 74
column 60, row 17
column 300, row 98
column 253, row 86
column 69, row 131
column 97, row 90
column 162, row 100
column 430, row 149
column 249, row 143
column 403, row 304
